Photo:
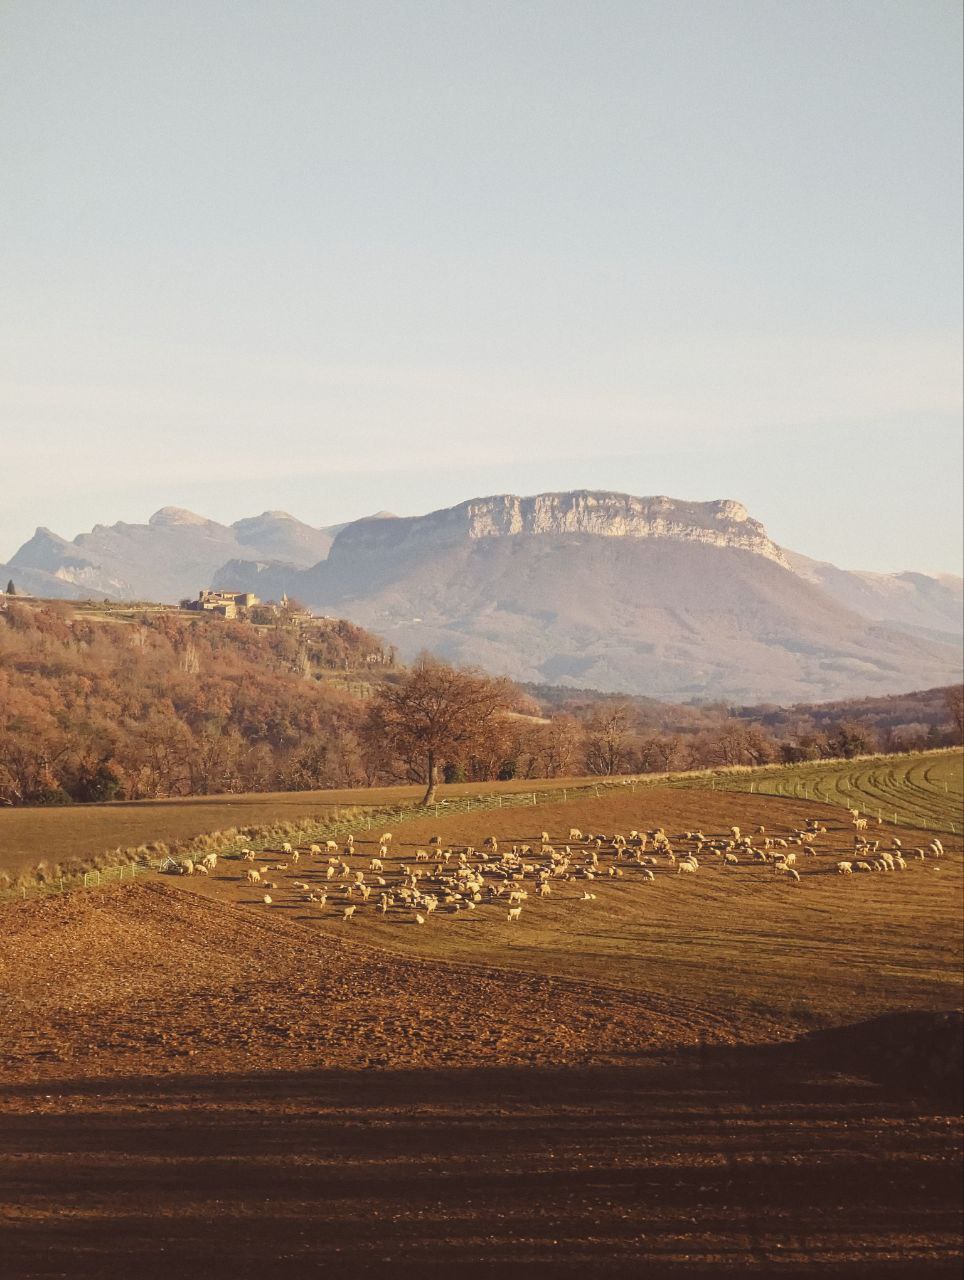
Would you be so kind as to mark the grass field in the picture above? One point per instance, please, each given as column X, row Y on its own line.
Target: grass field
column 758, row 950
column 925, row 789
column 195, row 1081
column 59, row 835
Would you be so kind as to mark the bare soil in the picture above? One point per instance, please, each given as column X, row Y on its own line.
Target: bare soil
column 192, row 1083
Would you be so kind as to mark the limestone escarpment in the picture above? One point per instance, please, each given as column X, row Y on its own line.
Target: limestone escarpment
column 723, row 523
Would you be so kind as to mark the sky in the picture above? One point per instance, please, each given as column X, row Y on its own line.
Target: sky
column 335, row 258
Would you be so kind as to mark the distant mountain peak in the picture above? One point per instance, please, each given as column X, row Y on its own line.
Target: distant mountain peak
column 171, row 517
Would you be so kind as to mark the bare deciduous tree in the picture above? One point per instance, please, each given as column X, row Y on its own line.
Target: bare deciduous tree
column 435, row 713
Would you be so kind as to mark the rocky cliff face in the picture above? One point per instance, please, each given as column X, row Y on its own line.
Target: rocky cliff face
column 723, row 523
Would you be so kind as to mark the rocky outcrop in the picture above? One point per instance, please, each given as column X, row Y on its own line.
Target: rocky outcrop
column 723, row 523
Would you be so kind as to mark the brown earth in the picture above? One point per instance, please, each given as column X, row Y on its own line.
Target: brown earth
column 192, row 1083
column 58, row 835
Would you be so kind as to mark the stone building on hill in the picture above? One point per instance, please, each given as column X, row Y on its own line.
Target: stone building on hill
column 226, row 604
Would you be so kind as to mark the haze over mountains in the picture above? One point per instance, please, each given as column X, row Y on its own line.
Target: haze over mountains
column 647, row 595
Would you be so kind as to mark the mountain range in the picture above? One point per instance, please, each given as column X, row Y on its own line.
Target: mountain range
column 648, row 595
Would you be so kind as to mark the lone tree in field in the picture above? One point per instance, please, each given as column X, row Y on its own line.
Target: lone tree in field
column 435, row 713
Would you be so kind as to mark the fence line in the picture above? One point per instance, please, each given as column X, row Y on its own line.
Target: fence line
column 323, row 831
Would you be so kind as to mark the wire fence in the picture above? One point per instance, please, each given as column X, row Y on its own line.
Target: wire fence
column 367, row 820
column 763, row 780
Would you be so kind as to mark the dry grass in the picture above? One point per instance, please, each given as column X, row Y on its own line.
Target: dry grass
column 923, row 789
column 81, row 833
column 746, row 945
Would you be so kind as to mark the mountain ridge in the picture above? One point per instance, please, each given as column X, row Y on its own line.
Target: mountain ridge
column 649, row 594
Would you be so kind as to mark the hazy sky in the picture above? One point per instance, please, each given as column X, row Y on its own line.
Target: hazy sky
column 334, row 257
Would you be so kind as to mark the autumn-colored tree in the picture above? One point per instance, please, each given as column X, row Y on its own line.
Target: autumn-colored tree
column 435, row 713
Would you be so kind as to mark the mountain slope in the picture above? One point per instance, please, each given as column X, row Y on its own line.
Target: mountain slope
column 913, row 601
column 650, row 595
column 174, row 555
column 677, row 600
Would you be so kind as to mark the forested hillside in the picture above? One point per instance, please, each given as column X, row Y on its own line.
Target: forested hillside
column 106, row 703
column 93, row 708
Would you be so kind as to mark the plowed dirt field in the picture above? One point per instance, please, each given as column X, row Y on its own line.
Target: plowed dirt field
column 195, row 1084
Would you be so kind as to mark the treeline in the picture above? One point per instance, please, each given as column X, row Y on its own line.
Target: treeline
column 642, row 735
column 165, row 704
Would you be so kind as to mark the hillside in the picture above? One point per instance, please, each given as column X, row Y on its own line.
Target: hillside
column 658, row 596
column 173, row 556
column 674, row 600
column 159, row 703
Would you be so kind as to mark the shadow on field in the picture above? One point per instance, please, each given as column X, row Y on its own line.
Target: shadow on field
column 757, row 1160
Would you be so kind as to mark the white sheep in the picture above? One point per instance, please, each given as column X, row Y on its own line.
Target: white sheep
column 286, row 848
column 515, row 913
column 845, row 868
column 349, row 912
column 253, row 876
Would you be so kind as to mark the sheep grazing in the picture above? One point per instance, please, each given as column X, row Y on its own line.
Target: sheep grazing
column 575, row 833
column 588, row 897
column 845, row 868
column 375, row 865
column 253, row 876
column 267, row 899
column 684, row 865
column 735, row 832
column 186, row 867
column 646, row 874
column 860, row 824
column 286, row 848
column 247, row 855
column 419, row 919
column 349, row 912
column 863, row 866
column 210, row 860
column 544, row 837
column 730, row 860
column 314, row 850
column 331, row 846
column 515, row 913
column 385, row 838
column 793, row 873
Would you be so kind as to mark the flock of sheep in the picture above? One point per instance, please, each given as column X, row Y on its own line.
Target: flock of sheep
column 456, row 879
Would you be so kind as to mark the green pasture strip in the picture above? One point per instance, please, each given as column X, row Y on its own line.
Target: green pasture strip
column 920, row 789
column 316, row 832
